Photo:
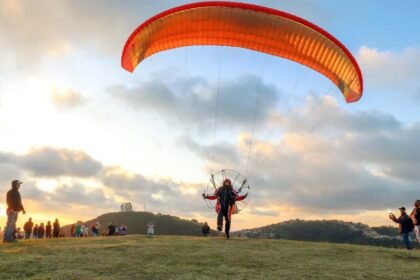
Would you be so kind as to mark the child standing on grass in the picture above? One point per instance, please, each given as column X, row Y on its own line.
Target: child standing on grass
column 86, row 231
column 206, row 229
column 150, row 229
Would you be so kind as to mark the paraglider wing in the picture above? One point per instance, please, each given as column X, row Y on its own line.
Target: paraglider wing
column 247, row 26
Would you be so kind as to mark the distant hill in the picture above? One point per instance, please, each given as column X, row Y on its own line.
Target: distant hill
column 387, row 230
column 136, row 223
column 332, row 231
column 326, row 231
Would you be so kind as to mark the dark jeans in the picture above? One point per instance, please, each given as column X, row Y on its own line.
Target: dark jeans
column 407, row 240
column 27, row 234
column 224, row 213
column 10, row 226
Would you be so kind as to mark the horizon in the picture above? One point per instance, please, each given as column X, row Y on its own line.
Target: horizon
column 85, row 136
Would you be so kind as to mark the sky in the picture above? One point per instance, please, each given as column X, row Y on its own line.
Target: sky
column 85, row 136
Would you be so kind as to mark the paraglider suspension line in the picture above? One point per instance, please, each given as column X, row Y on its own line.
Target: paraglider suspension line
column 216, row 113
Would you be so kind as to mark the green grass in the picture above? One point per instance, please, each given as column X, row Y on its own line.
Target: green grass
column 167, row 257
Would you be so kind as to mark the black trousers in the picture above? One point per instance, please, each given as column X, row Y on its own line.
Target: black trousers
column 224, row 212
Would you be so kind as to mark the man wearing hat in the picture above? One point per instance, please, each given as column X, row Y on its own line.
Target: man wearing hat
column 406, row 226
column 14, row 206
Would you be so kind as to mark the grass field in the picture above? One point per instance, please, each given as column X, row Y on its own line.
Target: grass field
column 167, row 257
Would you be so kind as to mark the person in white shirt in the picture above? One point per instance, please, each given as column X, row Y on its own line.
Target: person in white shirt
column 150, row 229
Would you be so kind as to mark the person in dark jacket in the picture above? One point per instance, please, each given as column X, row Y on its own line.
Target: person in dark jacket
column 405, row 224
column 27, row 227
column 48, row 229
column 111, row 229
column 415, row 216
column 73, row 231
column 35, row 233
column 56, row 229
column 14, row 206
column 226, row 198
column 205, row 229
column 41, row 231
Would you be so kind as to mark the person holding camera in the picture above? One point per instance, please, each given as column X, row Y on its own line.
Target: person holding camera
column 406, row 226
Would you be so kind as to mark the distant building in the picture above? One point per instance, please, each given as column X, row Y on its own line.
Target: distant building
column 126, row 207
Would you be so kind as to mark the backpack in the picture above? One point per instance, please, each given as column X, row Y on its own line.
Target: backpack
column 410, row 225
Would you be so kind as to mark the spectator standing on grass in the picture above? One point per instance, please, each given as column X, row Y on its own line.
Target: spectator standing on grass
column 27, row 227
column 405, row 224
column 111, row 229
column 14, row 206
column 86, row 231
column 415, row 216
column 41, row 231
column 18, row 233
column 96, row 227
column 56, row 229
column 73, row 231
column 48, row 230
column 79, row 229
column 82, row 230
column 206, row 229
column 150, row 229
column 35, row 231
column 123, row 230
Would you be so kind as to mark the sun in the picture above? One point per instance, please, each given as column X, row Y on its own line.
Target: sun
column 2, row 210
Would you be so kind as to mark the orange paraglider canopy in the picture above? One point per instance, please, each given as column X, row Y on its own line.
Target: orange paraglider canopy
column 247, row 26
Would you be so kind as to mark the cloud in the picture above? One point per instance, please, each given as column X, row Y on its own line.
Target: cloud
column 352, row 162
column 324, row 113
column 163, row 195
column 396, row 70
column 196, row 101
column 66, row 98
column 8, row 172
column 66, row 201
column 222, row 151
column 53, row 162
column 36, row 30
column 84, row 183
column 78, row 194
